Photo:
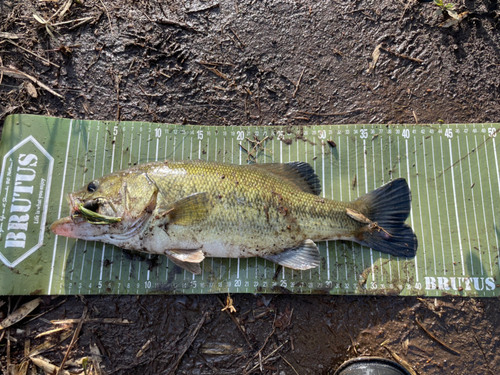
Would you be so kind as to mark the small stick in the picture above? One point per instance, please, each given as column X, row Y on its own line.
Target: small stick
column 428, row 333
column 298, row 82
column 402, row 56
column 107, row 15
column 1, row 78
column 65, row 8
column 73, row 340
column 270, row 355
column 237, row 37
column 289, row 364
column 216, row 5
column 216, row 72
column 175, row 23
column 96, row 59
column 329, row 114
column 45, row 312
column 187, row 344
column 265, row 342
column 17, row 73
column 34, row 54
column 400, row 360
column 237, row 324
column 214, row 63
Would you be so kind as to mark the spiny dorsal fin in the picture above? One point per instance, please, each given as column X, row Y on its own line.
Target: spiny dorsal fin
column 298, row 173
column 301, row 257
column 186, row 211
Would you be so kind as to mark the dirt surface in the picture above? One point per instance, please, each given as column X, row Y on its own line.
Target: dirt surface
column 254, row 63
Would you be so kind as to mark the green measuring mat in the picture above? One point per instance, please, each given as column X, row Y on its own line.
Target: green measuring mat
column 452, row 170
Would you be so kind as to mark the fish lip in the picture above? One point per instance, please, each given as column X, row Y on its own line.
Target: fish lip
column 73, row 202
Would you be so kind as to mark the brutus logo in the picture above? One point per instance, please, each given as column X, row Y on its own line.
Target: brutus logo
column 24, row 191
column 460, row 283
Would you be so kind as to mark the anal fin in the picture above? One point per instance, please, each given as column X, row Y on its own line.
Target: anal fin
column 191, row 256
column 301, row 257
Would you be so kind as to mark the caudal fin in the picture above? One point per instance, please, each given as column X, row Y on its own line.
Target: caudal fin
column 384, row 212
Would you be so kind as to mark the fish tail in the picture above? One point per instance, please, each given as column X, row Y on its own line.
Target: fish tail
column 384, row 211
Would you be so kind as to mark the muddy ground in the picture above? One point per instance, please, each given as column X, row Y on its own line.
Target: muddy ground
column 254, row 63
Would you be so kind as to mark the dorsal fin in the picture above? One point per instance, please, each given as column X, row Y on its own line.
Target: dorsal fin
column 298, row 173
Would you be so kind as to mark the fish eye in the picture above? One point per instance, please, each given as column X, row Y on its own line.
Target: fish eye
column 92, row 186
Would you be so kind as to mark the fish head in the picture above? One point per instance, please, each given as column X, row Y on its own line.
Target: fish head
column 116, row 204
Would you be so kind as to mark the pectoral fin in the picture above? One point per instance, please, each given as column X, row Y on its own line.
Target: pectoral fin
column 186, row 211
column 302, row 257
column 191, row 267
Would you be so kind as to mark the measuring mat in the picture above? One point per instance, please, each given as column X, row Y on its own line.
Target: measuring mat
column 452, row 170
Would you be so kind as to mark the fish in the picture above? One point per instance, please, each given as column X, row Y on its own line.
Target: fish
column 191, row 210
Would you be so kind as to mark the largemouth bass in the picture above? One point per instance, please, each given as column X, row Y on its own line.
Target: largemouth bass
column 189, row 210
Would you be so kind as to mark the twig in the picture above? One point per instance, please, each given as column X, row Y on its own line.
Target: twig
column 17, row 73
column 107, row 15
column 269, row 356
column 482, row 352
column 298, row 82
column 237, row 37
column 237, row 324
column 428, row 333
column 96, row 59
column 34, row 54
column 47, row 311
column 216, row 5
column 402, row 56
column 329, row 114
column 216, row 72
column 175, row 23
column 289, row 364
column 73, row 340
column 187, row 344
column 65, row 8
column 83, row 21
column 400, row 360
column 71, row 21
column 264, row 345
column 214, row 63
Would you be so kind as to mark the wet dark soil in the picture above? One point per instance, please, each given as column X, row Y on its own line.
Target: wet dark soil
column 256, row 63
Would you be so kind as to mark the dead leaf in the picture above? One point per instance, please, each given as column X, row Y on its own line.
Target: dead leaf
column 31, row 89
column 454, row 21
column 49, row 332
column 49, row 368
column 220, row 349
column 50, row 344
column 22, row 368
column 375, row 56
column 20, row 313
column 8, row 35
column 94, row 320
